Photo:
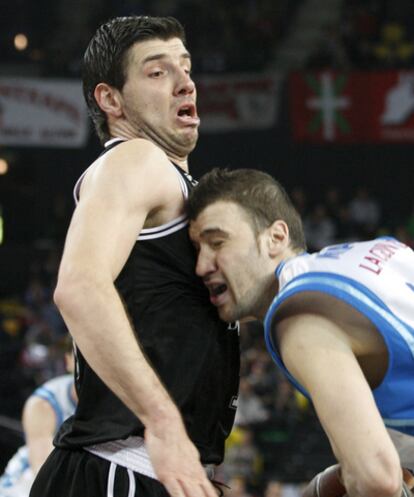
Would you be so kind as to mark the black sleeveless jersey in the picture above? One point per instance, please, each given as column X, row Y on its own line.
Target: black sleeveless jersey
column 195, row 354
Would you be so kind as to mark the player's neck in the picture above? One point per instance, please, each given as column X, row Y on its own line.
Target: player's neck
column 182, row 163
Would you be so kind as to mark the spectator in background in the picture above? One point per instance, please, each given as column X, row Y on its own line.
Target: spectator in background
column 338, row 212
column 287, row 405
column 13, row 383
column 320, row 229
column 250, row 407
column 237, row 487
column 361, row 24
column 409, row 224
column 262, row 376
column 243, row 459
column 394, row 49
column 299, row 200
column 330, row 52
column 43, row 413
column 45, row 328
column 364, row 213
column 401, row 233
column 273, row 488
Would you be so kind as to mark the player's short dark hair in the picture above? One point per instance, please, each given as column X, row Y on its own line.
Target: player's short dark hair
column 261, row 196
column 106, row 57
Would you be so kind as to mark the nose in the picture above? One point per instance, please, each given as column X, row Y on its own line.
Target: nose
column 206, row 264
column 185, row 85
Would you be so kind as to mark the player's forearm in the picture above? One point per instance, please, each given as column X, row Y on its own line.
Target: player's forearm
column 369, row 463
column 98, row 322
column 329, row 483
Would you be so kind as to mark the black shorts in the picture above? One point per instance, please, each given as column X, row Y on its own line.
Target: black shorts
column 78, row 473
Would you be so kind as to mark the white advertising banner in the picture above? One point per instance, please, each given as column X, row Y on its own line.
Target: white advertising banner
column 236, row 102
column 42, row 112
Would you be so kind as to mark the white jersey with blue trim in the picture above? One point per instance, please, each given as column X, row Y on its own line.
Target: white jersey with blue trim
column 17, row 477
column 377, row 279
column 58, row 392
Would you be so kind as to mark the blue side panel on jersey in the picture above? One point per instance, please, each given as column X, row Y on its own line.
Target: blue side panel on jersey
column 49, row 397
column 351, row 292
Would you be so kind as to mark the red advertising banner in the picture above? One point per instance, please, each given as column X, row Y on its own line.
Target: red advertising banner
column 235, row 102
column 369, row 107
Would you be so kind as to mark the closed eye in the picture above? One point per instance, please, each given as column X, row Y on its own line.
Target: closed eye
column 216, row 243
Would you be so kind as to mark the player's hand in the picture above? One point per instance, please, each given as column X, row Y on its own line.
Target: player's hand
column 408, row 483
column 408, row 478
column 176, row 462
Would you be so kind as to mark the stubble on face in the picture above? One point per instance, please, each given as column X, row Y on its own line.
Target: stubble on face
column 247, row 288
column 239, row 263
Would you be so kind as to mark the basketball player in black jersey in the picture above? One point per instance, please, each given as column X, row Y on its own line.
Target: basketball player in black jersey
column 157, row 371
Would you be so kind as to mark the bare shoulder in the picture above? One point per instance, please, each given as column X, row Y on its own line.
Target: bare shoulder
column 37, row 409
column 136, row 158
column 306, row 316
column 137, row 154
column 135, row 170
column 330, row 319
column 326, row 306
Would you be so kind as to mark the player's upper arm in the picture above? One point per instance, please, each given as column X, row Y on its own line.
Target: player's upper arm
column 117, row 195
column 318, row 352
column 39, row 424
column 39, row 417
column 312, row 346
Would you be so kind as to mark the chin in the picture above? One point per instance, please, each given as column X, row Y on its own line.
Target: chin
column 190, row 141
column 185, row 146
column 228, row 316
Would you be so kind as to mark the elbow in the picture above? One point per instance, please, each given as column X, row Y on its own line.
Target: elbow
column 59, row 295
column 387, row 486
column 71, row 292
column 63, row 294
column 380, row 480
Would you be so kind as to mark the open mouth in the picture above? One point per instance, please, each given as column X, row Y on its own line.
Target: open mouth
column 186, row 111
column 187, row 114
column 216, row 290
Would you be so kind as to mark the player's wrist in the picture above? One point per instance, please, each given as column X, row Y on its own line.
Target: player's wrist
column 164, row 420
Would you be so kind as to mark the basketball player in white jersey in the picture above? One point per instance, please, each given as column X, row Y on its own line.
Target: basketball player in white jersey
column 339, row 323
column 43, row 413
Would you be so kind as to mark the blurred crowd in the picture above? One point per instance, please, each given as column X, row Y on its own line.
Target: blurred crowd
column 371, row 34
column 335, row 218
column 223, row 36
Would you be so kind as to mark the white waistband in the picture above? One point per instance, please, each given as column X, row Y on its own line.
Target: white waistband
column 130, row 453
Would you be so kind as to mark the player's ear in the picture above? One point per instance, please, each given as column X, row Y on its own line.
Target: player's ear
column 278, row 237
column 108, row 99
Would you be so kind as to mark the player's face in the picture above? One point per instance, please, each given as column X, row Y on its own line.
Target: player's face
column 159, row 96
column 232, row 260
